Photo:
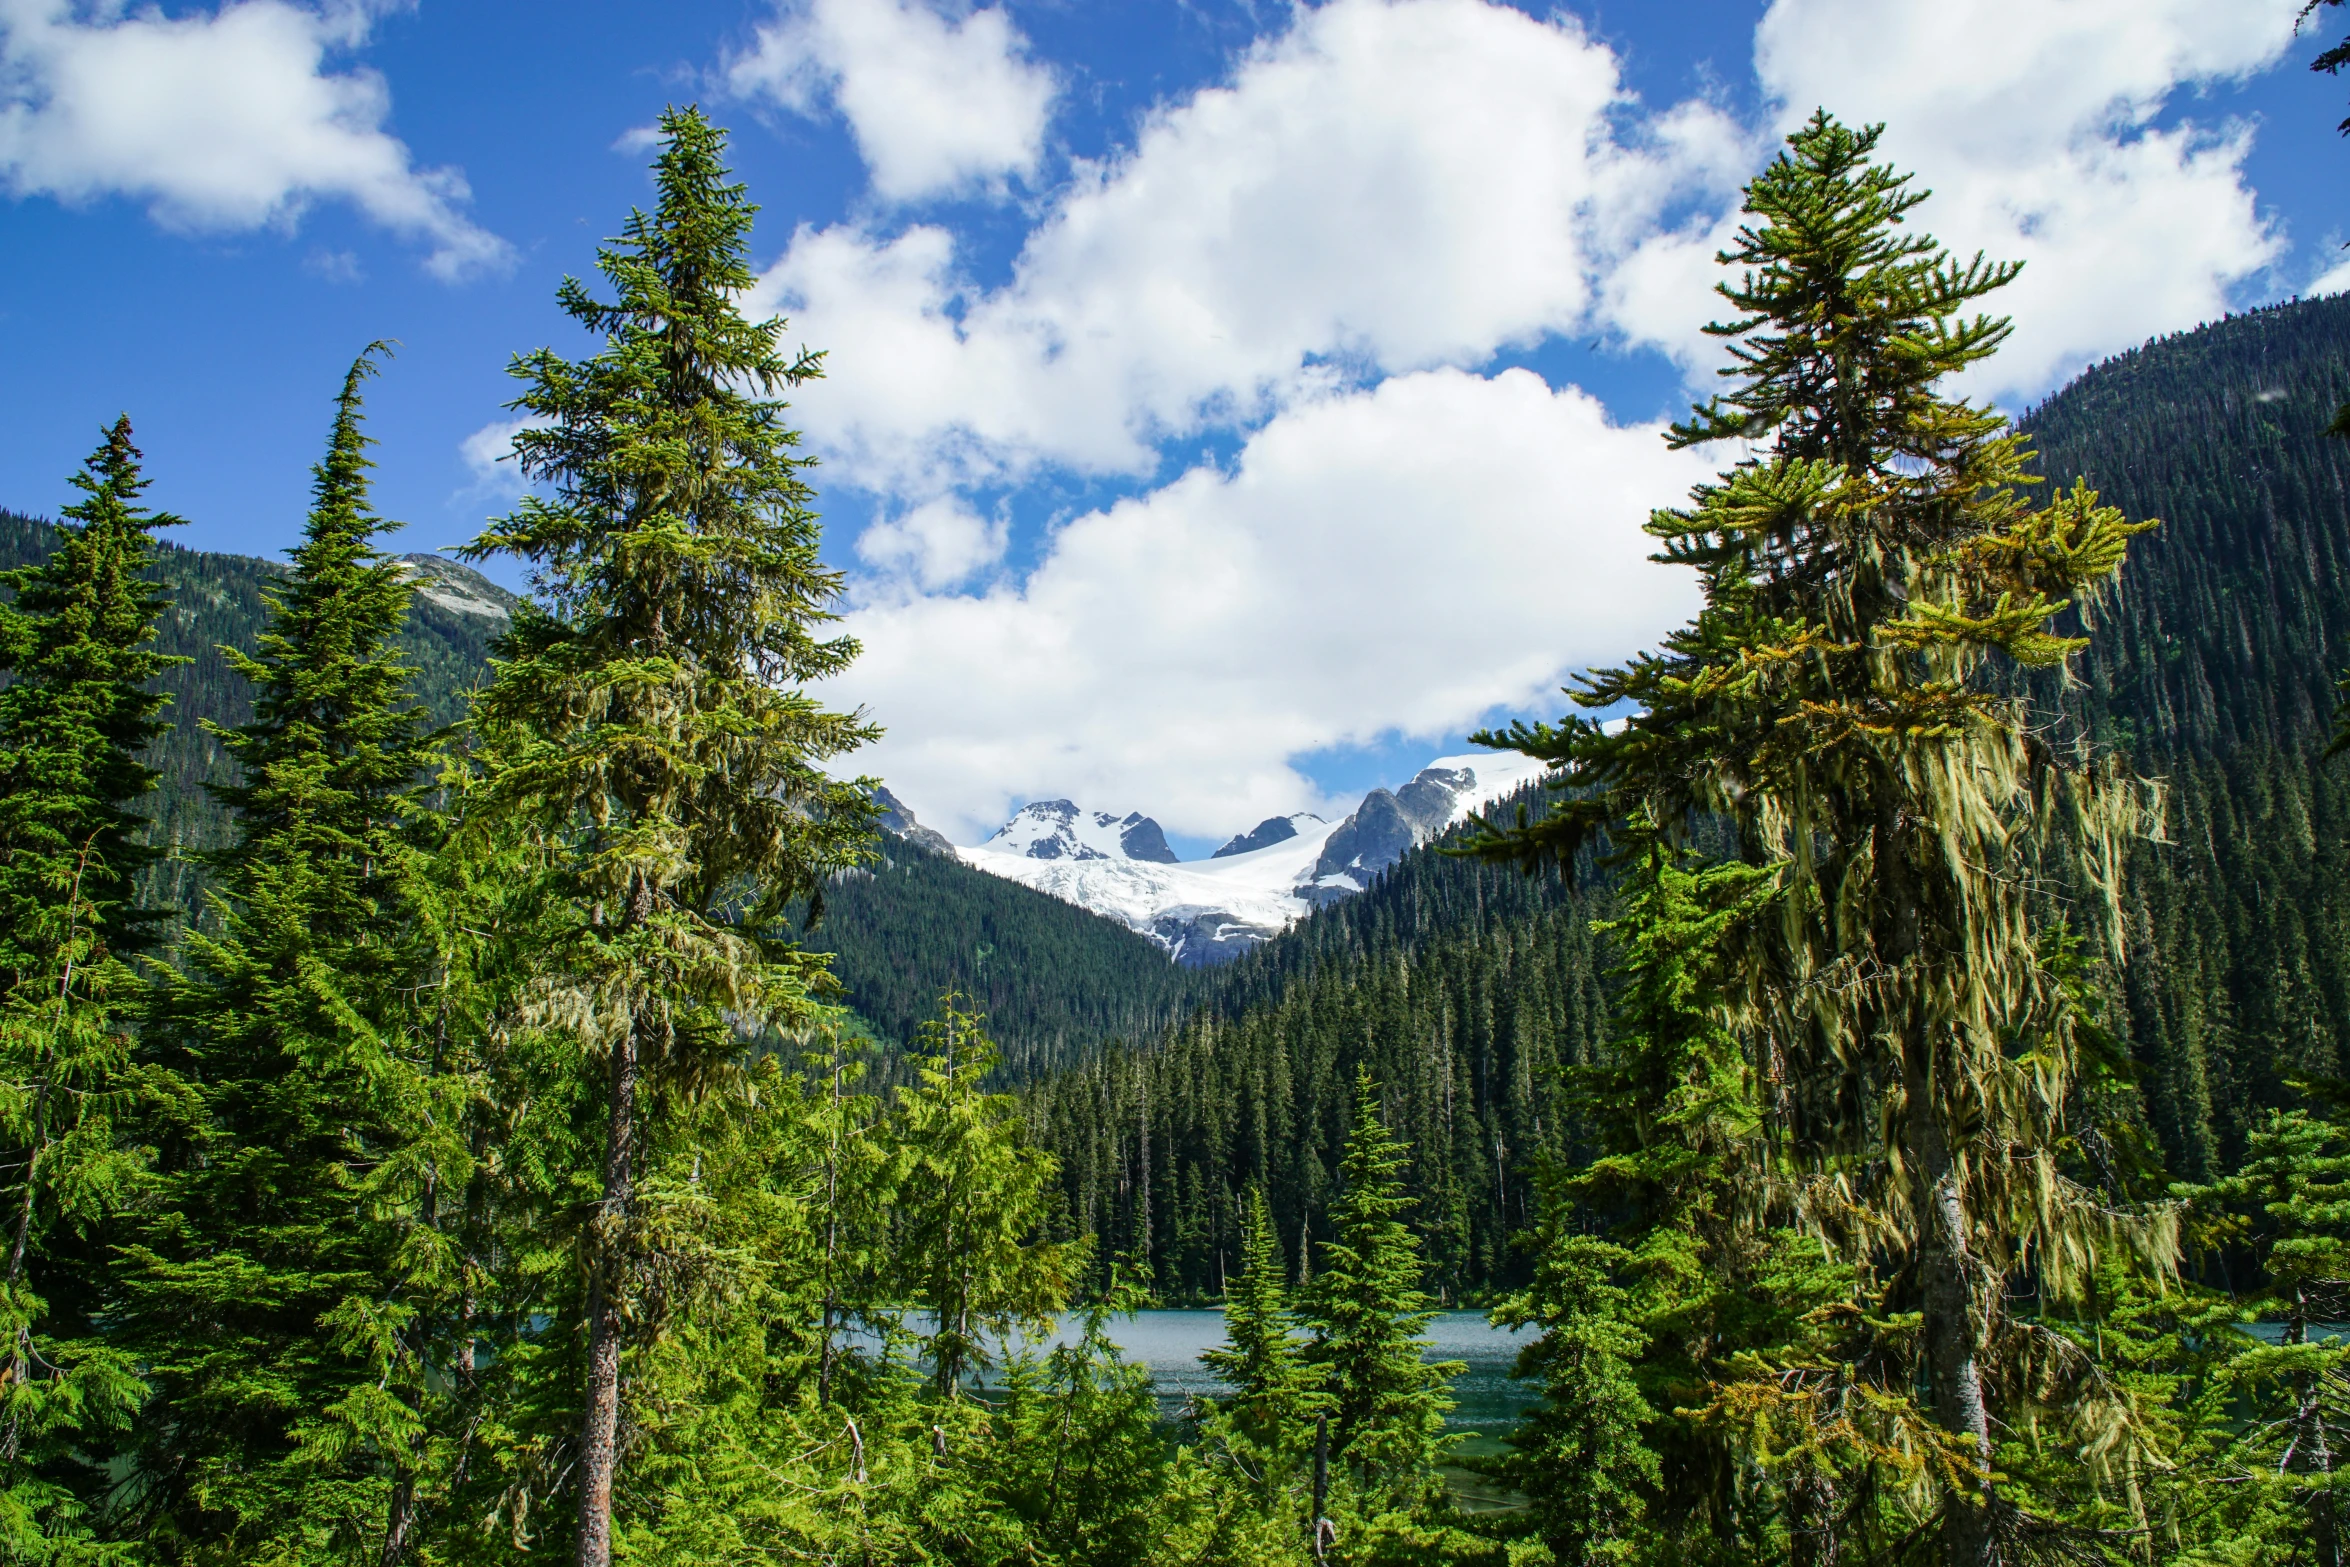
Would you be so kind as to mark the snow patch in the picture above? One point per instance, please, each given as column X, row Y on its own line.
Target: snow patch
column 1207, row 911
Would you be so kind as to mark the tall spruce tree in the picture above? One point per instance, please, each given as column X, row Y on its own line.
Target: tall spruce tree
column 1366, row 1319
column 1273, row 1401
column 1672, row 1108
column 969, row 1241
column 648, row 721
column 1860, row 571
column 75, row 715
column 1579, row 1458
column 265, row 1296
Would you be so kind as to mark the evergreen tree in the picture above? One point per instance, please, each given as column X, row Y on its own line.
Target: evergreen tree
column 2292, row 1197
column 1859, row 574
column 1580, row 1458
column 969, row 1246
column 1273, row 1400
column 1672, row 1106
column 649, row 724
column 1366, row 1318
column 858, row 1166
column 75, row 716
column 268, row 1299
column 1084, row 1462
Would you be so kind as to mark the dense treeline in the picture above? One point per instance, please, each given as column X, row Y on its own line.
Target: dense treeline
column 2210, row 669
column 1800, row 1297
column 1468, row 990
column 215, row 601
column 487, row 1173
column 1054, row 980
column 2214, row 670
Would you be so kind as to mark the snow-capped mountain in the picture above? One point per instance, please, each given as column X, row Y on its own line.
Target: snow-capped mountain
column 1058, row 830
column 1210, row 911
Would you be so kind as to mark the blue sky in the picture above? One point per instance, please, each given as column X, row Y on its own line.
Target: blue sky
column 1231, row 404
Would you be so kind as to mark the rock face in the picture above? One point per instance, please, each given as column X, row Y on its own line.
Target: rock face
column 457, row 587
column 1142, row 840
column 1208, row 938
column 1386, row 827
column 1265, row 834
column 895, row 818
column 1366, row 843
column 1433, row 799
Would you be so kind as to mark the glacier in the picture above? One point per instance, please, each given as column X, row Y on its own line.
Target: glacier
column 1210, row 911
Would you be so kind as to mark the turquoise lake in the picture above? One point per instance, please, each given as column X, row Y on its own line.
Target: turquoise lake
column 1489, row 1400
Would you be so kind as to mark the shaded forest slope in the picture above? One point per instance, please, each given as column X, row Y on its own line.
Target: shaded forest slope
column 2216, row 671
column 1056, row 979
column 216, row 600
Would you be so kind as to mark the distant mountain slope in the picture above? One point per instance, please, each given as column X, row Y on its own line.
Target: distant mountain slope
column 2216, row 669
column 1467, row 988
column 1207, row 912
column 1055, row 980
column 216, row 599
column 2234, row 617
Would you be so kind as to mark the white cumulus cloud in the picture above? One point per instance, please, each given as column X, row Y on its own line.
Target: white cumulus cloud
column 1388, row 185
column 1321, row 255
column 488, row 455
column 1397, row 560
column 2037, row 126
column 220, row 120
column 939, row 104
column 936, row 545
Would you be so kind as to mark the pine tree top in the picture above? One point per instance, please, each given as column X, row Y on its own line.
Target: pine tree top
column 652, row 699
column 78, row 713
column 335, row 737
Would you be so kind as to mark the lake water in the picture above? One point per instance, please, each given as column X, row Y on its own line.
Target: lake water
column 1488, row 1400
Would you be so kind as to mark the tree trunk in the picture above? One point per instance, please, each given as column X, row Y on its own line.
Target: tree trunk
column 599, row 1433
column 1813, row 1540
column 1939, row 1204
column 1948, row 1303
column 402, row 1521
column 1321, row 1478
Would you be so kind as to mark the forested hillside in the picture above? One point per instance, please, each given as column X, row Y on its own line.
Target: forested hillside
column 216, row 601
column 1055, row 981
column 1466, row 987
column 2215, row 670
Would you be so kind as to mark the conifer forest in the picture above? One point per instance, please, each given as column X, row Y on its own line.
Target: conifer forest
column 495, row 1092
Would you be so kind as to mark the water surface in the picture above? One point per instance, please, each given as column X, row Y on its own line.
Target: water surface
column 1488, row 1402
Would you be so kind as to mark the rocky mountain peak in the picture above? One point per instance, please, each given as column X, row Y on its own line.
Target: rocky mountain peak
column 1062, row 830
column 1211, row 911
column 896, row 818
column 1270, row 831
column 457, row 587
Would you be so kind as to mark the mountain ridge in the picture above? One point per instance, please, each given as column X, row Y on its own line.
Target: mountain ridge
column 1205, row 913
